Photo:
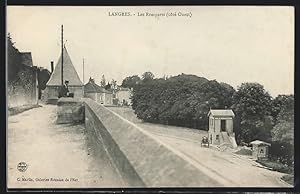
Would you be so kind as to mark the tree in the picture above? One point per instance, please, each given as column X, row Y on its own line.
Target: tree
column 282, row 148
column 182, row 100
column 252, row 106
column 281, row 102
column 108, row 86
column 103, row 81
column 147, row 76
column 13, row 60
column 282, row 152
column 131, row 81
column 43, row 77
column 113, row 84
column 283, row 130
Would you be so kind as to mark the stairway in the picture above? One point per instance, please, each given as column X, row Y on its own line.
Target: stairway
column 228, row 139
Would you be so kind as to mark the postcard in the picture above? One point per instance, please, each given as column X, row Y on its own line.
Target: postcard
column 150, row 96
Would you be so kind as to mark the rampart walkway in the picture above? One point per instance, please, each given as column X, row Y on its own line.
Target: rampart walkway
column 54, row 151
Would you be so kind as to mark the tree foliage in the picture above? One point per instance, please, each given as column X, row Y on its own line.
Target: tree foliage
column 283, row 104
column 282, row 152
column 108, row 86
column 283, row 111
column 113, row 84
column 43, row 77
column 252, row 106
column 131, row 81
column 183, row 100
column 13, row 60
column 147, row 76
column 103, row 81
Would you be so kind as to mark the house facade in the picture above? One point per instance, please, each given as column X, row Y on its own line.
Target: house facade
column 221, row 127
column 97, row 93
column 123, row 95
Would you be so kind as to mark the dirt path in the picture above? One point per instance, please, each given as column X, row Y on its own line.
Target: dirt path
column 54, row 151
column 233, row 170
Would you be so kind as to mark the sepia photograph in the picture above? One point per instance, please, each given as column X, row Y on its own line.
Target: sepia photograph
column 150, row 96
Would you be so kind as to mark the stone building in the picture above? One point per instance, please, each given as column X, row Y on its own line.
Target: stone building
column 260, row 149
column 221, row 127
column 97, row 93
column 69, row 74
column 123, row 95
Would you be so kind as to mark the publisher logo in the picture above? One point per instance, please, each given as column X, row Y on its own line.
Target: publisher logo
column 22, row 166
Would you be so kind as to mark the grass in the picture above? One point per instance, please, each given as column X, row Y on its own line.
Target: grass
column 288, row 178
column 277, row 166
column 244, row 151
column 20, row 109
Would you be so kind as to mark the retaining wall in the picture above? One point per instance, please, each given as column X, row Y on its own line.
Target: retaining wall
column 23, row 89
column 141, row 159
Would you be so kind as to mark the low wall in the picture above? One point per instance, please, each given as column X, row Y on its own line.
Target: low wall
column 70, row 110
column 51, row 93
column 141, row 159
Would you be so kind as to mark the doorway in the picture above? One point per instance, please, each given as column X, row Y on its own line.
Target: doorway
column 223, row 125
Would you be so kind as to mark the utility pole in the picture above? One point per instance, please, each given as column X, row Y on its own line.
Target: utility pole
column 62, row 55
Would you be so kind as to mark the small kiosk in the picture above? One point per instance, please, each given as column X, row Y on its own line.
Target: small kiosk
column 221, row 126
column 260, row 149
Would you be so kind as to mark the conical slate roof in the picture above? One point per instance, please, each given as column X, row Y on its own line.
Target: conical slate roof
column 69, row 74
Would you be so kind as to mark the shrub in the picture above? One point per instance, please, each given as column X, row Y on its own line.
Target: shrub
column 282, row 152
column 277, row 166
column 244, row 151
column 288, row 178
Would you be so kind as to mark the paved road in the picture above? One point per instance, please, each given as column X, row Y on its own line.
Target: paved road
column 231, row 169
column 55, row 151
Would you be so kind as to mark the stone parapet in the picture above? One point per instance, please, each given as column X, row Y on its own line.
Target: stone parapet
column 141, row 158
column 70, row 110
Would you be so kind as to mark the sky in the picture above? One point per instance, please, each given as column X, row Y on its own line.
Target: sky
column 229, row 44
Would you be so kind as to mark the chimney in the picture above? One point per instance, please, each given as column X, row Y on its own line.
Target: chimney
column 52, row 67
